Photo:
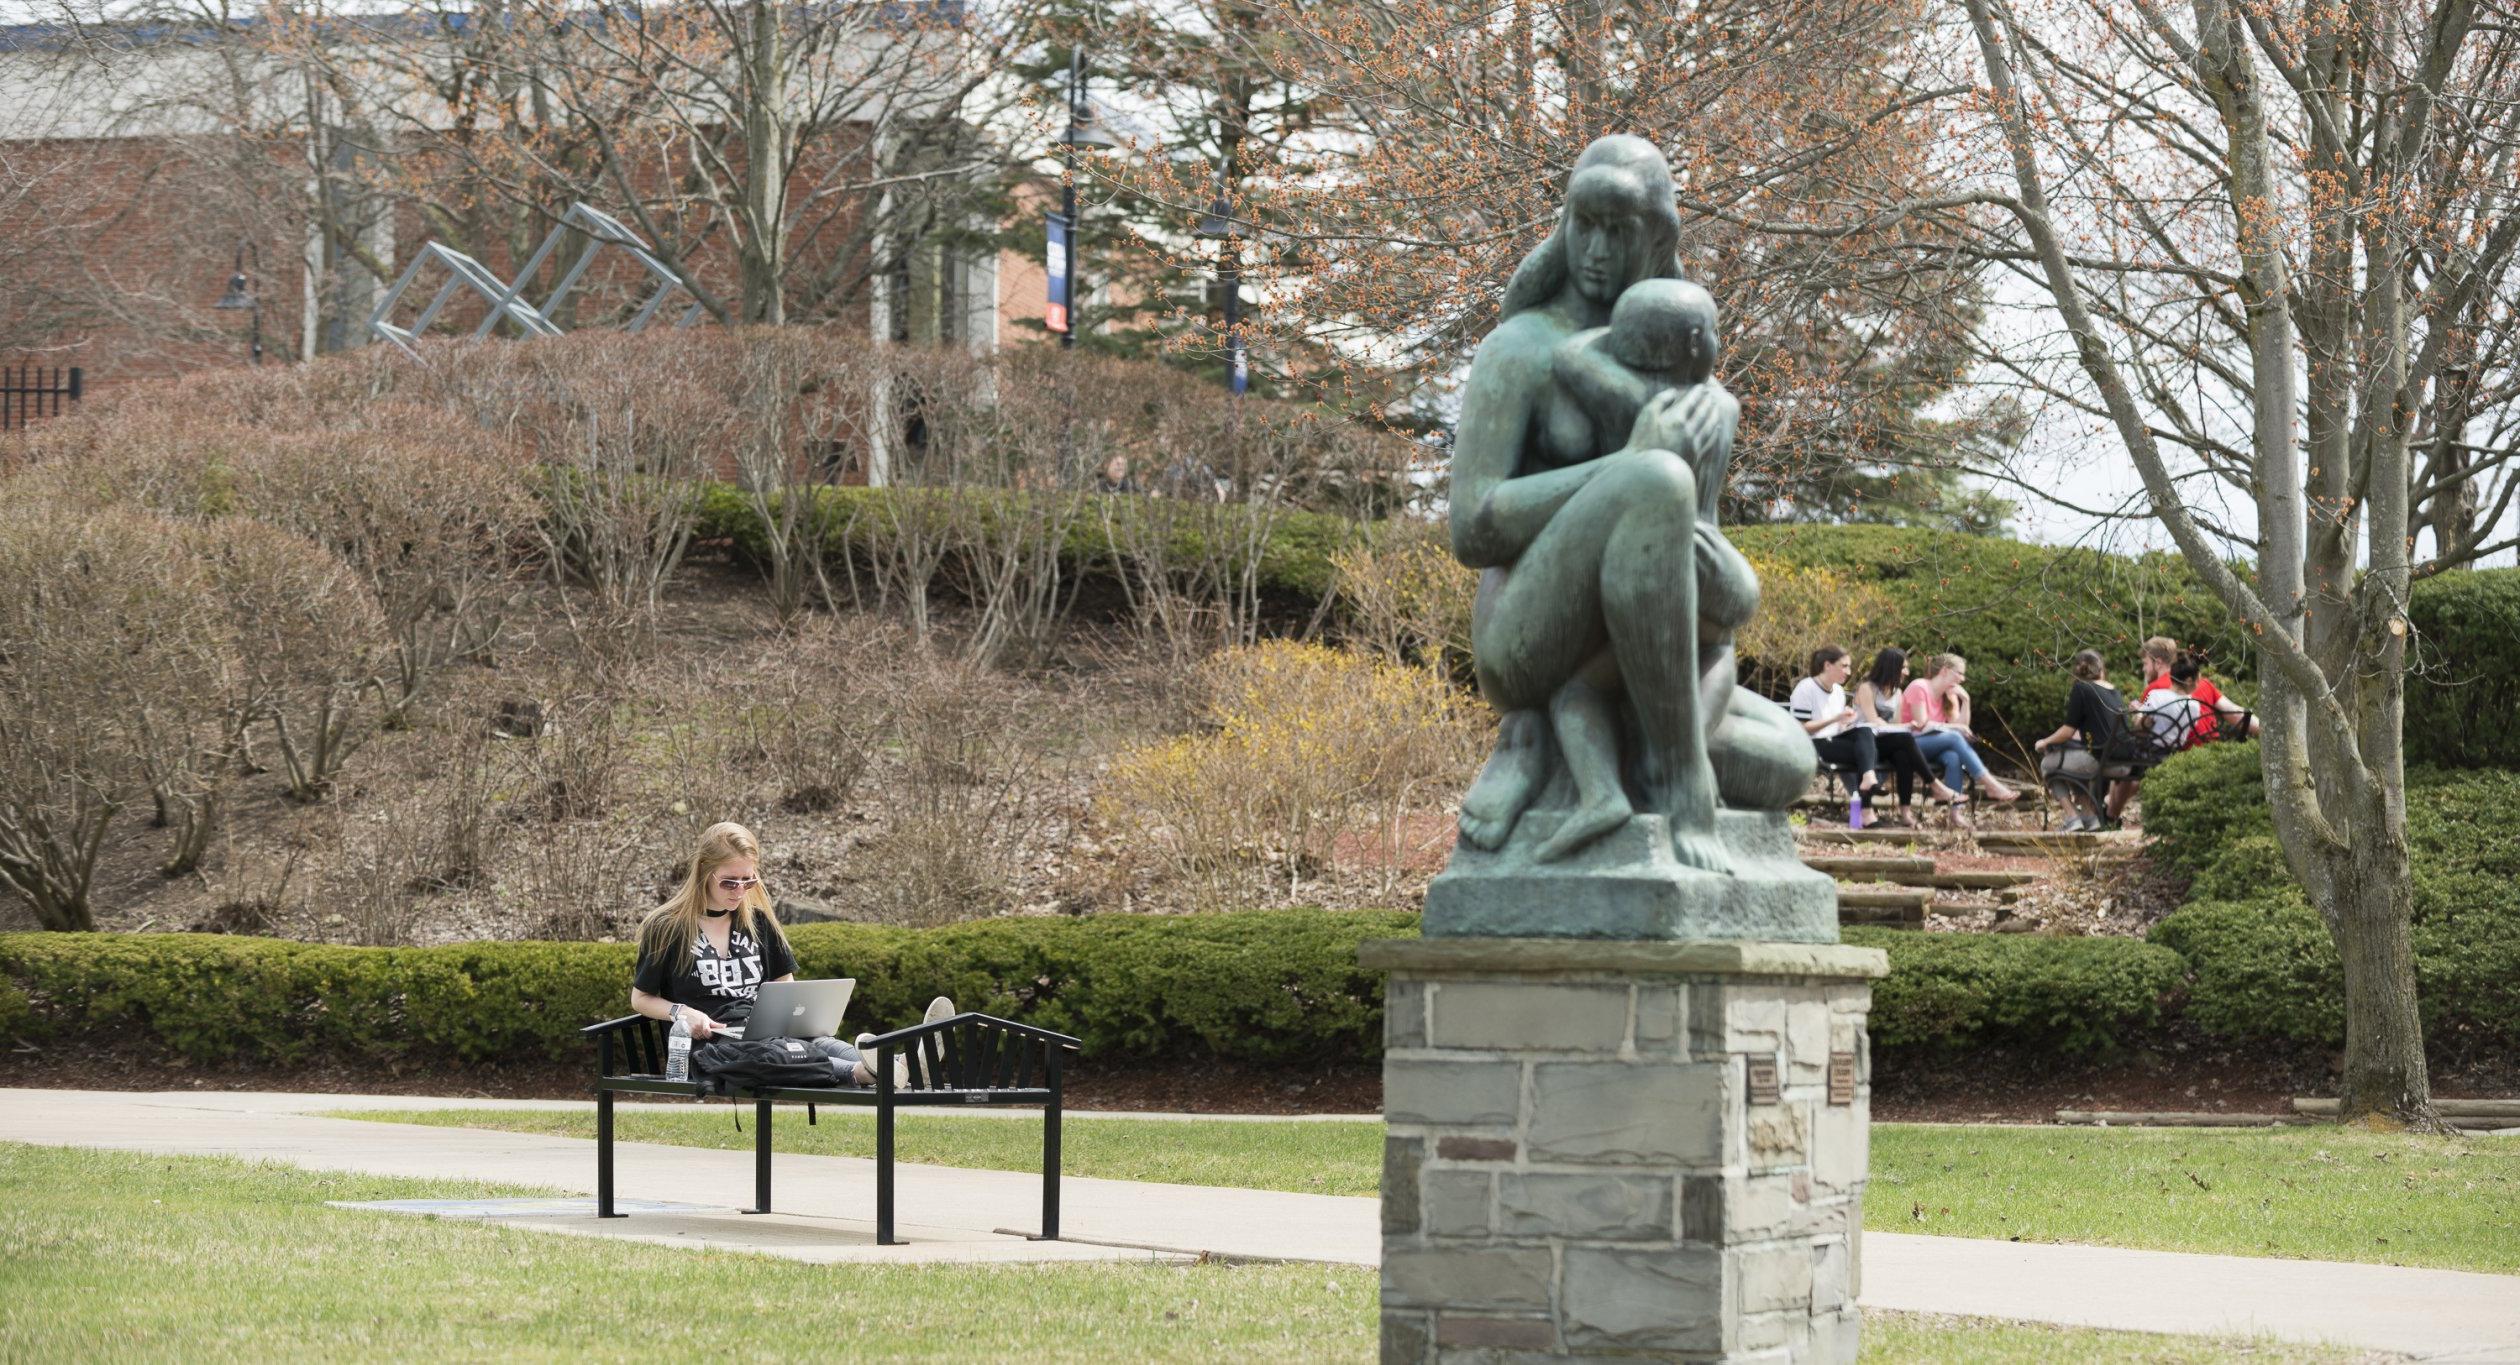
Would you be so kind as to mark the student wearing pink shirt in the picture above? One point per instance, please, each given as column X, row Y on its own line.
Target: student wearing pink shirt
column 1935, row 708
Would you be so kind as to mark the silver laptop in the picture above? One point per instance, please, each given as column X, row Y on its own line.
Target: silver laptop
column 797, row 1009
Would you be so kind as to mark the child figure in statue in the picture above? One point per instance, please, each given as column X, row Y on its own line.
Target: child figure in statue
column 1660, row 341
column 1661, row 337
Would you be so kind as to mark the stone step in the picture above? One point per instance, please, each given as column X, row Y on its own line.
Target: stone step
column 2051, row 843
column 1908, row 900
column 1957, row 881
column 1968, row 907
column 1888, row 917
column 1867, row 867
column 1881, row 834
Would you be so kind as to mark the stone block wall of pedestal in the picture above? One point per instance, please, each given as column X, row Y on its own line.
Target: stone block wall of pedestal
column 1623, row 1150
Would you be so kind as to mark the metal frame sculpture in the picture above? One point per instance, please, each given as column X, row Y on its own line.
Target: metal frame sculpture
column 507, row 301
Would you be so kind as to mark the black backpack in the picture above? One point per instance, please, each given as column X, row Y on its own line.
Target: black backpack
column 764, row 1065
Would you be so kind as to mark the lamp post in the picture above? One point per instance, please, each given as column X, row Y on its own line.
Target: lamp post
column 242, row 297
column 1218, row 226
column 1083, row 130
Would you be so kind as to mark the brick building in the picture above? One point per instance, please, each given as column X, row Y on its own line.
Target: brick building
column 135, row 188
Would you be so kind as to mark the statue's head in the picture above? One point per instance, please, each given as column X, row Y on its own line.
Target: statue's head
column 1620, row 224
column 1665, row 327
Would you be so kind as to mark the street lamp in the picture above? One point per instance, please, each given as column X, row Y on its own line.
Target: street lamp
column 240, row 295
column 1083, row 130
column 1218, row 226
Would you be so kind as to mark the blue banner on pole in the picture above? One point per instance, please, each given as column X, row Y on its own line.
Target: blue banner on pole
column 1055, row 316
column 1240, row 362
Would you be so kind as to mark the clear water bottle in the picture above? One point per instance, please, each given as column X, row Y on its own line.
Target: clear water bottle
column 678, row 1049
column 1855, row 809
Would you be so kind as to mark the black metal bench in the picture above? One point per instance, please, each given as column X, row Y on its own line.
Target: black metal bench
column 970, row 1059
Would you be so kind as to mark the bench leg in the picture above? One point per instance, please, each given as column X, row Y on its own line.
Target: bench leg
column 604, row 1156
column 884, row 1165
column 761, row 1157
column 1050, row 1170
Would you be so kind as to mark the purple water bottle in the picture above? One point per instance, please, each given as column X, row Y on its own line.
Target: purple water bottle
column 1855, row 808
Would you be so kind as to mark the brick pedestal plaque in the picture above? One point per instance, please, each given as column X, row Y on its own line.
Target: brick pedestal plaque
column 1607, row 1150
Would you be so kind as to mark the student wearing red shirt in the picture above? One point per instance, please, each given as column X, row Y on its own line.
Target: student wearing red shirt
column 2212, row 710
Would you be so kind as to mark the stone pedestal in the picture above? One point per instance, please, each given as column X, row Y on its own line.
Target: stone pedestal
column 1606, row 1150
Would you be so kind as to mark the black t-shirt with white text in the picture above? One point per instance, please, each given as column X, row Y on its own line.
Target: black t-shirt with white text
column 720, row 985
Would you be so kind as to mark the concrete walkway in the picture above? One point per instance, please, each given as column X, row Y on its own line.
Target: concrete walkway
column 2429, row 1314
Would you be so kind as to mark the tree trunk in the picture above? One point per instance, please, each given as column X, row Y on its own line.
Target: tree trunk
column 764, row 242
column 2385, row 1071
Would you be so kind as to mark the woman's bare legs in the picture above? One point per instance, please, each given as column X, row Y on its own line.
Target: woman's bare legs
column 1613, row 564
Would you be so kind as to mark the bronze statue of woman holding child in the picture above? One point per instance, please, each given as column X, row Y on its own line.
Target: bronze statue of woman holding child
column 1636, row 789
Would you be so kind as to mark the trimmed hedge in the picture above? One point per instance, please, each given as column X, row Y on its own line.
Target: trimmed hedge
column 2202, row 802
column 1259, row 986
column 2466, row 688
column 2059, row 995
column 2265, row 965
column 1275, row 986
column 1294, row 564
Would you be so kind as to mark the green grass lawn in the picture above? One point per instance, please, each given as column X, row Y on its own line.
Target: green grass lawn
column 2318, row 1194
column 2327, row 1194
column 121, row 1256
column 116, row 1256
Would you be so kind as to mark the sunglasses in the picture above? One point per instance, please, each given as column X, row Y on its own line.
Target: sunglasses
column 737, row 883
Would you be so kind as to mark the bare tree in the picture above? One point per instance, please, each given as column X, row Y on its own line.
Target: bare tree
column 2279, row 239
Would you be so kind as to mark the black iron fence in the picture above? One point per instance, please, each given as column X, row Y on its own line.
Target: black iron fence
column 29, row 392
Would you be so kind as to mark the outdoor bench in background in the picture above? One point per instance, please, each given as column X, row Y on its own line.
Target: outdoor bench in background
column 970, row 1059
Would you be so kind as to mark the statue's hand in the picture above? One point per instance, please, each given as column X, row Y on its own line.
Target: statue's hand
column 1686, row 422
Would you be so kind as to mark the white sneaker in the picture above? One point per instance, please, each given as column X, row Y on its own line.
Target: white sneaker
column 939, row 1010
column 2081, row 824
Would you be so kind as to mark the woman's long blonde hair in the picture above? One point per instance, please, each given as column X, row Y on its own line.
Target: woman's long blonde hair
column 668, row 928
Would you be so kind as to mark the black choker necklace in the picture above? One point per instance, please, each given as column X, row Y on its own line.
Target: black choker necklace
column 717, row 914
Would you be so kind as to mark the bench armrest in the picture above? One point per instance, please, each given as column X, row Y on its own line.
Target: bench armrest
column 633, row 1045
column 972, row 1052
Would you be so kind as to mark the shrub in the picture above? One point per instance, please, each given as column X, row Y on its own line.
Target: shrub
column 16, row 1016
column 2203, row 802
column 1406, row 597
column 1801, row 608
column 2017, row 612
column 1308, row 744
column 2038, row 994
column 1256, row 986
column 2266, row 966
column 111, row 660
column 1274, row 986
column 2466, row 663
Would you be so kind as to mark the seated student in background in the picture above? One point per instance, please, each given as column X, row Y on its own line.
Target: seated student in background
column 1936, row 709
column 1876, row 706
column 1819, row 705
column 2180, row 713
column 2160, row 653
column 704, row 954
column 2094, row 713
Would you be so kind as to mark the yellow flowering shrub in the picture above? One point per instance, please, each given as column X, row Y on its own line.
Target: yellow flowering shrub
column 1802, row 608
column 1406, row 597
column 1302, row 748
